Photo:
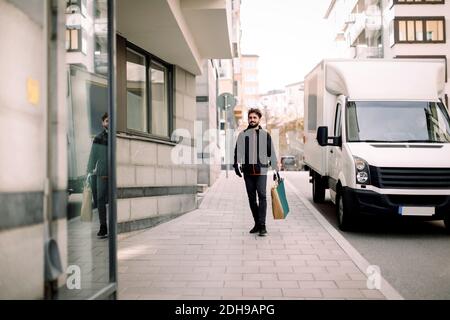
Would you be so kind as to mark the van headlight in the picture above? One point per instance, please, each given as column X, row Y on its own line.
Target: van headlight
column 362, row 171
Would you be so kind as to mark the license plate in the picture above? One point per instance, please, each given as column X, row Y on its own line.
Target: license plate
column 417, row 211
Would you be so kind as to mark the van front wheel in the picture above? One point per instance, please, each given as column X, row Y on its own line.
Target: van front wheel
column 346, row 220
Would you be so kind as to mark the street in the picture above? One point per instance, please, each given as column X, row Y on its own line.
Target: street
column 413, row 257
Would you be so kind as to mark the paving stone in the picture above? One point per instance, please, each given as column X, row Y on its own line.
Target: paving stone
column 209, row 254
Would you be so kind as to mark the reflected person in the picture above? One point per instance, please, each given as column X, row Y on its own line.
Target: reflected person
column 98, row 167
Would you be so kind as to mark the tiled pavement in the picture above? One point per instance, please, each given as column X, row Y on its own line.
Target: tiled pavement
column 209, row 254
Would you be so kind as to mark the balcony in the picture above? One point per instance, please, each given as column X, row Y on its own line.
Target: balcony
column 364, row 52
column 74, row 20
column 373, row 23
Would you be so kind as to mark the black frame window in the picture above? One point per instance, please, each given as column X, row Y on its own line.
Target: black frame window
column 76, row 40
column 148, row 94
column 419, row 30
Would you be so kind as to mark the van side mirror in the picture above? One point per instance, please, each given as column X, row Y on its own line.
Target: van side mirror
column 322, row 136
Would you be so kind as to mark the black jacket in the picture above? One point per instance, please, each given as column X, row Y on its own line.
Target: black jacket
column 255, row 151
column 99, row 155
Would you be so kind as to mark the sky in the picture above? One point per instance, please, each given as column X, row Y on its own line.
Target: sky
column 290, row 36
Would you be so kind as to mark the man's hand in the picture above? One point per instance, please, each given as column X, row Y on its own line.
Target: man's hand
column 238, row 172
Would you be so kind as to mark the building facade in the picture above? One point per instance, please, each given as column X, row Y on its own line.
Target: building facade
column 417, row 30
column 358, row 27
column 250, row 84
column 208, row 125
column 138, row 61
column 402, row 29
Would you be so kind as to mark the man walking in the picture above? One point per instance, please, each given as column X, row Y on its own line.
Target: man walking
column 98, row 167
column 255, row 152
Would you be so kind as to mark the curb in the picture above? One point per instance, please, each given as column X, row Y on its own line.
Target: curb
column 386, row 289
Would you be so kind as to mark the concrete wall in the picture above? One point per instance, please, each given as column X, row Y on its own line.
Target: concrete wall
column 145, row 164
column 209, row 153
column 23, row 147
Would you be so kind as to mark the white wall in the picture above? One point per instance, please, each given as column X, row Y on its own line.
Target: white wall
column 22, row 148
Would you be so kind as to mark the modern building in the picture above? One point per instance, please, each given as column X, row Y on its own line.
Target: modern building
column 358, row 27
column 283, row 111
column 295, row 94
column 137, row 60
column 207, row 127
column 230, row 81
column 417, row 29
column 250, row 84
column 401, row 29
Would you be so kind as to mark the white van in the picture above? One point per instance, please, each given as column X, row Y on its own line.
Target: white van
column 377, row 134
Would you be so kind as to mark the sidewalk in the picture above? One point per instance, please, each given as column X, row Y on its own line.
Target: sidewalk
column 209, row 254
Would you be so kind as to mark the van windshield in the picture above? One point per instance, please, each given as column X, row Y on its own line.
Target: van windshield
column 399, row 121
column 288, row 161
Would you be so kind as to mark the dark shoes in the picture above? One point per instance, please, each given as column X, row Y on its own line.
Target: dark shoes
column 255, row 229
column 262, row 231
column 103, row 233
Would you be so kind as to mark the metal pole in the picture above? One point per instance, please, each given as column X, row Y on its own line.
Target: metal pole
column 226, row 135
column 112, row 185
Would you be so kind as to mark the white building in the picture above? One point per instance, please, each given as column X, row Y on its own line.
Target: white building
column 295, row 93
column 358, row 27
column 391, row 28
column 273, row 104
column 417, row 30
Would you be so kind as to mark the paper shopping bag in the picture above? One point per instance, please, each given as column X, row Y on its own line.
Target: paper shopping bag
column 86, row 206
column 280, row 206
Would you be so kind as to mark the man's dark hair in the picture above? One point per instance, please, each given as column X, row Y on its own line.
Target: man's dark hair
column 255, row 111
column 105, row 115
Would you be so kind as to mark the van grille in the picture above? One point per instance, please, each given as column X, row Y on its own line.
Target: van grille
column 417, row 200
column 404, row 178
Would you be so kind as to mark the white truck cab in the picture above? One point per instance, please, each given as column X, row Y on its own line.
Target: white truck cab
column 377, row 135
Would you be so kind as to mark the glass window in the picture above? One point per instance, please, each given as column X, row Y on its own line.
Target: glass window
column 136, row 92
column 419, row 31
column 402, row 121
column 337, row 122
column 435, row 30
column 73, row 39
column 402, row 30
column 88, row 211
column 410, row 27
column 160, row 105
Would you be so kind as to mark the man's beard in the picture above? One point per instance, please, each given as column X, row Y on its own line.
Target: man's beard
column 253, row 125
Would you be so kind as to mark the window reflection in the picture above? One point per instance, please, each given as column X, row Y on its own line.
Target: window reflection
column 87, row 138
column 136, row 91
column 160, row 106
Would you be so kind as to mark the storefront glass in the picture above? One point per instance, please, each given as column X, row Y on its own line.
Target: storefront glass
column 88, row 130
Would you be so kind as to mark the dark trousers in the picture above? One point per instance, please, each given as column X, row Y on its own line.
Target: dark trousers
column 102, row 198
column 257, row 185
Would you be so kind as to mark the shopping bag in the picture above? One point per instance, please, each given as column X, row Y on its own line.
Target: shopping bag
column 280, row 206
column 86, row 205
